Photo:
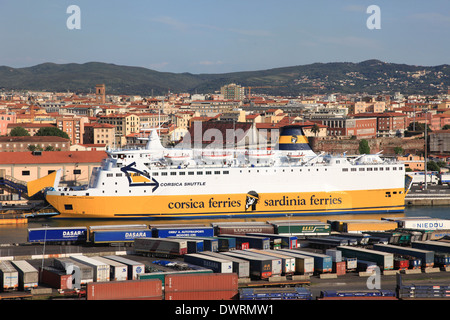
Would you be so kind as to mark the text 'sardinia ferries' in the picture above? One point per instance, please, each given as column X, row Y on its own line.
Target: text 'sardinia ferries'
column 159, row 183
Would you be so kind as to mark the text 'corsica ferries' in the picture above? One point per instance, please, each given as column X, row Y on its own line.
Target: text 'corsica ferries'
column 159, row 183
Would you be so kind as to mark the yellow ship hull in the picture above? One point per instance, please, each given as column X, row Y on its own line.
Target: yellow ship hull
column 229, row 205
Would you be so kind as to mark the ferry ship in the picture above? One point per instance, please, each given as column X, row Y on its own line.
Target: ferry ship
column 161, row 183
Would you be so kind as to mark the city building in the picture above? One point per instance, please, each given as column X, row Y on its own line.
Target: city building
column 99, row 134
column 29, row 143
column 232, row 91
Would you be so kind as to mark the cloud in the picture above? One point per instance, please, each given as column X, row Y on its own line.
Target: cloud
column 210, row 63
column 172, row 22
column 355, row 8
column 158, row 66
column 430, row 17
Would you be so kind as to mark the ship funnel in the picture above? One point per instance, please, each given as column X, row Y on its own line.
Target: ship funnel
column 292, row 138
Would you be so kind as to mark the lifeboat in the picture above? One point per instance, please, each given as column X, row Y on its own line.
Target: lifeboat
column 177, row 158
column 260, row 154
column 295, row 156
column 217, row 156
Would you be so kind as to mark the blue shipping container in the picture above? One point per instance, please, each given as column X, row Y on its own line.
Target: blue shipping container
column 75, row 234
column 182, row 232
column 106, row 236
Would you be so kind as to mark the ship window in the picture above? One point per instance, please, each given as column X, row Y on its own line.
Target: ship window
column 76, row 171
column 199, row 173
column 68, row 207
column 208, row 172
column 387, row 169
column 394, row 168
column 369, row 169
column 375, row 169
column 226, row 172
column 164, row 173
column 216, row 172
column 118, row 174
column 109, row 175
column 182, row 173
column 173, row 173
column 26, row 172
column 361, row 169
column 155, row 174
column 190, row 173
column 381, row 169
column 353, row 169
column 345, row 169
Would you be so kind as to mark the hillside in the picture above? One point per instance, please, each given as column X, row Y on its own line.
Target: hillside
column 371, row 76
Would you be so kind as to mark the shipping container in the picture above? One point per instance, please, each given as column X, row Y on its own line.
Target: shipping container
column 116, row 227
column 352, row 263
column 288, row 262
column 194, row 245
column 134, row 267
column 340, row 268
column 254, row 242
column 240, row 266
column 322, row 262
column 432, row 245
column 401, row 263
column 202, row 295
column 242, row 246
column 209, row 243
column 367, row 266
column 362, row 239
column 28, row 275
column 226, row 244
column 296, row 293
column 55, row 278
column 101, row 269
column 162, row 247
column 277, row 262
column 81, row 273
column 125, row 290
column 326, row 242
column 162, row 275
column 182, row 232
column 9, row 276
column 424, row 223
column 303, row 264
column 302, row 228
column 336, row 255
column 241, row 228
column 367, row 294
column 118, row 236
column 362, row 225
column 260, row 268
column 426, row 256
column 117, row 271
column 288, row 242
column 201, row 282
column 441, row 259
column 384, row 260
column 218, row 265
column 57, row 235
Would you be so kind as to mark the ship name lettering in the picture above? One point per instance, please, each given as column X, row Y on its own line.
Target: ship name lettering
column 325, row 201
column 186, row 204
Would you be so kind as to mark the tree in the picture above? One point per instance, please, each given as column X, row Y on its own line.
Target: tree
column 19, row 132
column 52, row 131
column 315, row 129
column 446, row 127
column 364, row 147
column 399, row 150
column 419, row 127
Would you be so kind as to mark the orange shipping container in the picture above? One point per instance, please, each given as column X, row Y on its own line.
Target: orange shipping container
column 339, row 268
column 202, row 295
column 125, row 290
column 201, row 282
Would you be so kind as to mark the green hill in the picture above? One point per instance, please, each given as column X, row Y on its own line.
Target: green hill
column 371, row 76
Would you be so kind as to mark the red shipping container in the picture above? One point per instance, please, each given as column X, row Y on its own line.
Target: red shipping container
column 202, row 295
column 125, row 290
column 243, row 246
column 339, row 268
column 55, row 278
column 201, row 282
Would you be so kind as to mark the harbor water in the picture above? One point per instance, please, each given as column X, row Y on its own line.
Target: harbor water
column 10, row 234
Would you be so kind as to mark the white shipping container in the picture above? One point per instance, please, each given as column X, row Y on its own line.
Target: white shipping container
column 118, row 271
column 28, row 275
column 101, row 270
column 336, row 255
column 9, row 276
column 134, row 267
column 425, row 224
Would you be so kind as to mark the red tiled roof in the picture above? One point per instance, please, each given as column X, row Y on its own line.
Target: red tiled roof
column 50, row 157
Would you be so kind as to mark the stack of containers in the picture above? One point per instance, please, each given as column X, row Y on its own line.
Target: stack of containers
column 339, row 266
column 212, row 286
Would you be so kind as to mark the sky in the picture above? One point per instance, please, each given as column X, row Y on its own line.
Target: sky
column 217, row 36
